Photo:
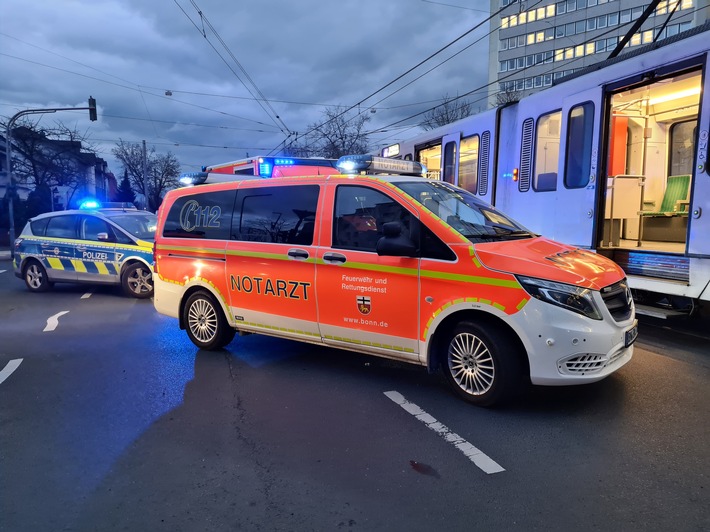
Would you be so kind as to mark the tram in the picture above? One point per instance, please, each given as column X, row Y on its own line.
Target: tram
column 613, row 159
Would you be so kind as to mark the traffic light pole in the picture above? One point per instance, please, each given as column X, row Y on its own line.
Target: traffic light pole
column 10, row 190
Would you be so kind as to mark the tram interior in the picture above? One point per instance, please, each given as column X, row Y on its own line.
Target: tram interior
column 653, row 130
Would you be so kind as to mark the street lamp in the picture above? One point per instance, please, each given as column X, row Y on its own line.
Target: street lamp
column 10, row 191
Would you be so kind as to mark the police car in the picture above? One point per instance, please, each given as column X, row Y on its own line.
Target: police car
column 102, row 246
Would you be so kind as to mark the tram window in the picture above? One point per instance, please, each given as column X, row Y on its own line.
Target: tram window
column 450, row 162
column 578, row 159
column 430, row 157
column 547, row 152
column 468, row 164
column 682, row 137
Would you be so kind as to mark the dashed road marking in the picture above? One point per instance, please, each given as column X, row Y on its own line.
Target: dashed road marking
column 86, row 296
column 9, row 368
column 3, row 271
column 478, row 457
column 53, row 321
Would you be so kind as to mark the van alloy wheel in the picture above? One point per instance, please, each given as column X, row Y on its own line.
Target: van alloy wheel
column 205, row 322
column 482, row 364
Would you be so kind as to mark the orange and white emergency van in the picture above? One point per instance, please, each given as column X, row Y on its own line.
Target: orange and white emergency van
column 397, row 266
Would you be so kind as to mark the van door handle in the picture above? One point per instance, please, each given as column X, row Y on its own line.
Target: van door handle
column 298, row 253
column 334, row 257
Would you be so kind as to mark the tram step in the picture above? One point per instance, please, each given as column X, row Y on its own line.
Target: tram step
column 657, row 312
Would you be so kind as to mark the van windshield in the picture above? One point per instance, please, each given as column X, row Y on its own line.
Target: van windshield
column 474, row 219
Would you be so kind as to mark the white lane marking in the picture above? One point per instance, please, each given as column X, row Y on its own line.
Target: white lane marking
column 9, row 368
column 3, row 271
column 53, row 321
column 478, row 457
column 86, row 296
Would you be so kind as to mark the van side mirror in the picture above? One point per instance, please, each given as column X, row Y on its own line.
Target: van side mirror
column 395, row 243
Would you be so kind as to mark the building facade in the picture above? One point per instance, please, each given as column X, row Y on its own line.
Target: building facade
column 533, row 43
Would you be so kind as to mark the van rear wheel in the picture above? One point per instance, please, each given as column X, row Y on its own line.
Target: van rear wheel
column 205, row 322
column 481, row 364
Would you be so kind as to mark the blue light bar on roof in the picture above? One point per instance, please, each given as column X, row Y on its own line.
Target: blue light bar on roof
column 192, row 178
column 89, row 204
column 370, row 164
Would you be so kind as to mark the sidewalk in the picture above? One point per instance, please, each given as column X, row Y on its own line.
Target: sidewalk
column 4, row 253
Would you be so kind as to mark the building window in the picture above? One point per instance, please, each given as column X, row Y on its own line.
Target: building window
column 561, row 8
column 625, row 16
column 613, row 19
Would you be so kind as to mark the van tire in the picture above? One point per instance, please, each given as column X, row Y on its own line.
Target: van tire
column 35, row 276
column 137, row 281
column 205, row 322
column 482, row 364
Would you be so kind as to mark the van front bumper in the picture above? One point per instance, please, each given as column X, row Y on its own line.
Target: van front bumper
column 567, row 348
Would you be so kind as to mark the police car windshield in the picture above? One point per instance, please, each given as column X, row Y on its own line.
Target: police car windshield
column 474, row 219
column 139, row 224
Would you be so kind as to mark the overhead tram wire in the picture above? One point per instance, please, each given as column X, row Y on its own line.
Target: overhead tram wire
column 276, row 119
column 137, row 88
column 417, row 66
column 551, row 71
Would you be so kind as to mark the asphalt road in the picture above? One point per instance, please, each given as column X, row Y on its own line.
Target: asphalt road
column 113, row 420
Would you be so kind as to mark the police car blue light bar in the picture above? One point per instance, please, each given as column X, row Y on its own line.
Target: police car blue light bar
column 89, row 204
column 354, row 164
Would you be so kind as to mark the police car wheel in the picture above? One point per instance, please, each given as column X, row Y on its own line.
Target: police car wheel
column 137, row 281
column 35, row 277
column 481, row 364
column 205, row 323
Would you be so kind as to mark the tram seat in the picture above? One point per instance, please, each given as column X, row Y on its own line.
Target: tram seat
column 670, row 222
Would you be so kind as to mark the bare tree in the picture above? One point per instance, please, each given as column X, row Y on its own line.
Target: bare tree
column 507, row 96
column 161, row 171
column 336, row 135
column 44, row 158
column 451, row 110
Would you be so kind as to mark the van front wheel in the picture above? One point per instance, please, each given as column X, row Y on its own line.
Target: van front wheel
column 481, row 364
column 205, row 322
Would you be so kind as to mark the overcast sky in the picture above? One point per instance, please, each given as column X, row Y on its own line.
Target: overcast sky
column 302, row 56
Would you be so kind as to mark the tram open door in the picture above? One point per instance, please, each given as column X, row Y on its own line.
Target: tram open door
column 655, row 182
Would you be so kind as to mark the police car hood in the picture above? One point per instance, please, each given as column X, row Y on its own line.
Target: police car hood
column 547, row 259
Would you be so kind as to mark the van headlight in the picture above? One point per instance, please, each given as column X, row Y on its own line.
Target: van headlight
column 572, row 298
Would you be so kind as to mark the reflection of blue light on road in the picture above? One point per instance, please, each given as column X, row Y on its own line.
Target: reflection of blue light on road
column 257, row 350
column 123, row 398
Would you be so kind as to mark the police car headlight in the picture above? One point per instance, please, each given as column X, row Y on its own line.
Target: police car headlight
column 572, row 298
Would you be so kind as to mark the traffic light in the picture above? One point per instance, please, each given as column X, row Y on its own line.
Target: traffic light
column 92, row 109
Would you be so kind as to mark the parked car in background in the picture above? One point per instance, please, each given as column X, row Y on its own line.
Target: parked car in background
column 100, row 246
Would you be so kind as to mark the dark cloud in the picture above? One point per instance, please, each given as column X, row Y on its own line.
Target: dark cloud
column 302, row 56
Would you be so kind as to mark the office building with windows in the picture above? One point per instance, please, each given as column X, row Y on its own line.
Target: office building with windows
column 533, row 43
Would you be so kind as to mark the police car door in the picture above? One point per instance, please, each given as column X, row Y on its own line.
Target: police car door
column 95, row 253
column 57, row 247
column 365, row 300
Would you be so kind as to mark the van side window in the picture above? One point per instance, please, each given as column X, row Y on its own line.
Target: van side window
column 205, row 215
column 280, row 214
column 360, row 213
